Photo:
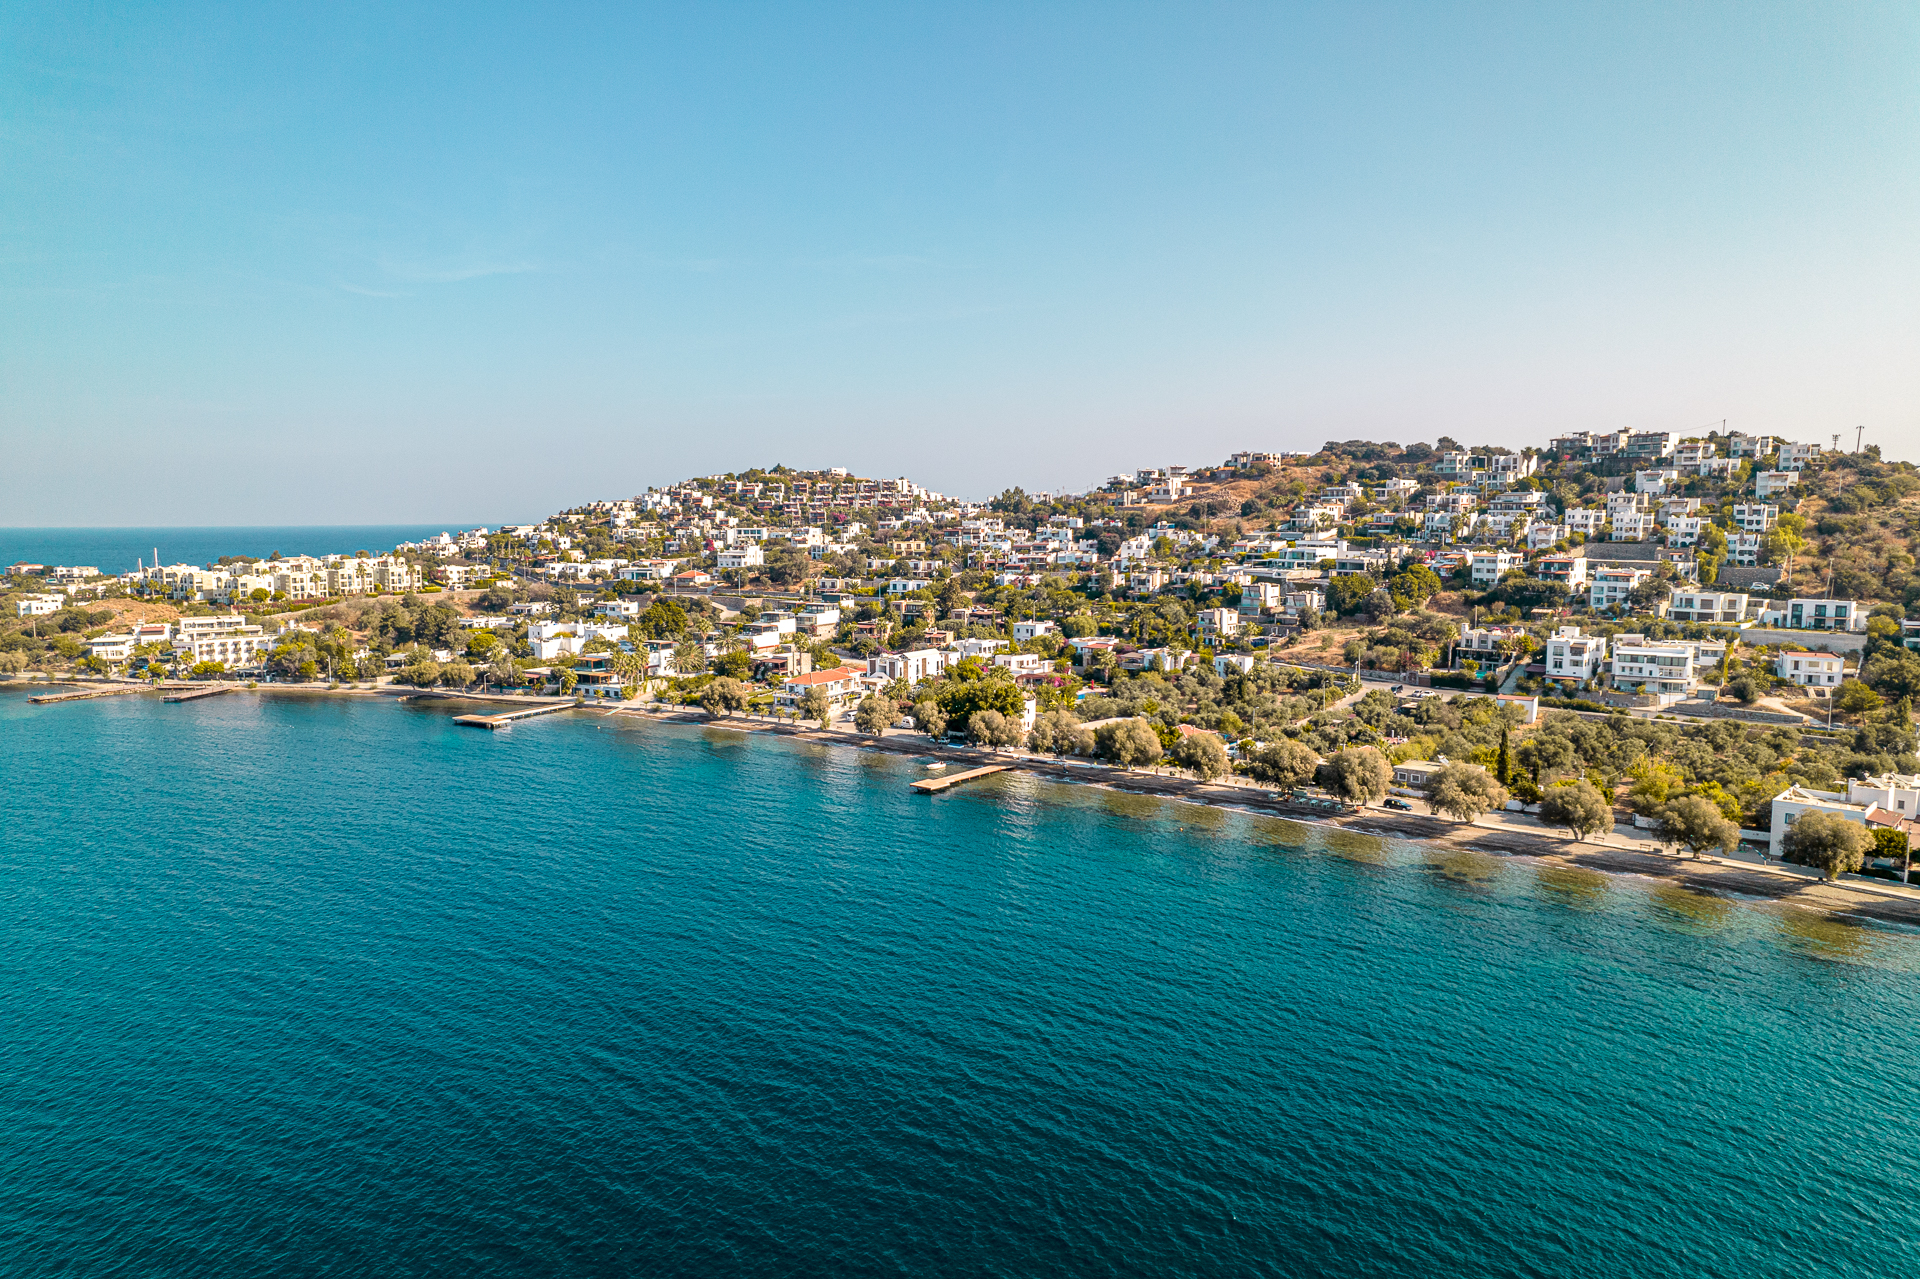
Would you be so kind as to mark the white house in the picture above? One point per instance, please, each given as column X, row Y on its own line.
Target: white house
column 1817, row 615
column 1659, row 668
column 1219, row 622
column 912, row 666
column 1224, row 662
column 1572, row 657
column 1768, row 483
column 748, row 555
column 1797, row 457
column 1687, row 605
column 1814, row 670
column 39, row 605
column 1025, row 631
column 1755, row 517
column 1610, row 585
column 1790, row 803
column 1488, row 567
column 1896, row 792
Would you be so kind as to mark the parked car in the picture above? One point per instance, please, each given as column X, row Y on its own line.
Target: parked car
column 1400, row 804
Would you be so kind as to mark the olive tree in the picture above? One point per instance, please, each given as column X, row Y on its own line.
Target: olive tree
column 1359, row 775
column 1131, row 743
column 1464, row 791
column 873, row 715
column 1284, row 763
column 991, row 728
column 1204, row 754
column 1697, row 824
column 1577, row 805
column 1828, row 842
column 1057, row 732
column 929, row 718
column 724, row 696
column 814, row 705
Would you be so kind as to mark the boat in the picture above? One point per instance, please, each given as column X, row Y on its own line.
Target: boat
column 936, row 765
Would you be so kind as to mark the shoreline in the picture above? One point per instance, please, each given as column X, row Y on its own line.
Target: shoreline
column 1851, row 898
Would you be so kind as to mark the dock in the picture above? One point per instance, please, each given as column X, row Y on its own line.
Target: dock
column 934, row 785
column 81, row 694
column 506, row 718
column 195, row 694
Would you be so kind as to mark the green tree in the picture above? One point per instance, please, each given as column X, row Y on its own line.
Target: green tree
column 1130, row 743
column 1057, row 732
column 736, row 665
column 1284, row 763
column 1696, row 824
column 689, row 658
column 1855, row 698
column 1464, row 791
column 873, row 715
column 814, row 705
column 1202, row 754
column 1347, row 592
column 663, row 619
column 929, row 718
column 1577, row 805
column 1415, row 585
column 421, row 672
column 1892, row 843
column 456, row 674
column 1827, row 842
column 991, row 728
column 724, row 696
column 1358, row 774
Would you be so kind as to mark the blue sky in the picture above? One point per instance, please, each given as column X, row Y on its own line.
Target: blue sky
column 344, row 264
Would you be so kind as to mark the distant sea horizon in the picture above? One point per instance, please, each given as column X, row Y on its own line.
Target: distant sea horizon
column 121, row 550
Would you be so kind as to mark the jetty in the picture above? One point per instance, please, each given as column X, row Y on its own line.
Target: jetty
column 505, row 719
column 195, row 694
column 81, row 694
column 934, row 785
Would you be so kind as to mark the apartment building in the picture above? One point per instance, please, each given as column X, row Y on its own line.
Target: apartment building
column 38, row 605
column 1769, row 483
column 1755, row 517
column 1797, row 457
column 225, row 638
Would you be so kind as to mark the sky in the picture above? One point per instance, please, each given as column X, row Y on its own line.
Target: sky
column 342, row 264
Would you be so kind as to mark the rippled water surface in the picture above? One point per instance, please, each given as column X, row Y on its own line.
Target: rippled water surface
column 292, row 986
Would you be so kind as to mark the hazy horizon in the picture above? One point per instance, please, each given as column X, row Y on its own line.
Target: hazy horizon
column 274, row 268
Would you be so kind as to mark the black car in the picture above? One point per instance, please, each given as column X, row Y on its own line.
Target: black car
column 1400, row 804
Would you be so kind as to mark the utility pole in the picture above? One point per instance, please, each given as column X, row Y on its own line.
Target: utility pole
column 1858, row 433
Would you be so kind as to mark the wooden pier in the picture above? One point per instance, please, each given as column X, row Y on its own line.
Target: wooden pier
column 195, row 694
column 934, row 785
column 506, row 718
column 81, row 694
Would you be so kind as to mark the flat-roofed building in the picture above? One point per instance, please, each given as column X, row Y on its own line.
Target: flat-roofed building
column 1689, row 605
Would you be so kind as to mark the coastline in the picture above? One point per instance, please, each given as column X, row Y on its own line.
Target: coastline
column 1850, row 898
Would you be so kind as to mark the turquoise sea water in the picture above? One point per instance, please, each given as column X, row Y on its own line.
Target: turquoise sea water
column 121, row 550
column 307, row 987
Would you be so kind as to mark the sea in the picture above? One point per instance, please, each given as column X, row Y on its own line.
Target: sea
column 121, row 550
column 296, row 985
